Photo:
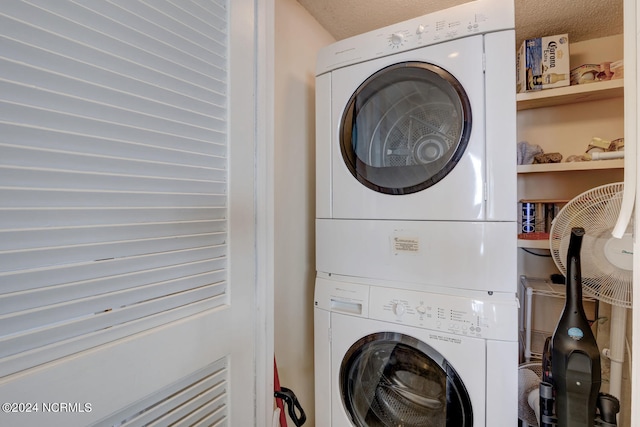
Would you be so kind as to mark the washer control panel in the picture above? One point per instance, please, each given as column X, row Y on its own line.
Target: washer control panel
column 473, row 317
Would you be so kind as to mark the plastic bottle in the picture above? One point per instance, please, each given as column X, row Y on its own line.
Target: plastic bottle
column 550, row 78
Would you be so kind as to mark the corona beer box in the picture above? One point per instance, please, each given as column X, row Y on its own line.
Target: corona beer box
column 543, row 63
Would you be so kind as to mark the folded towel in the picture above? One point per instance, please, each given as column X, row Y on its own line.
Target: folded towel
column 526, row 152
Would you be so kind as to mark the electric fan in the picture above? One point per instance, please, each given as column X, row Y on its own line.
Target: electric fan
column 529, row 377
column 607, row 262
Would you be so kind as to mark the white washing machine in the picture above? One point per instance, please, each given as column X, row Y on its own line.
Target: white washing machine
column 416, row 139
column 397, row 357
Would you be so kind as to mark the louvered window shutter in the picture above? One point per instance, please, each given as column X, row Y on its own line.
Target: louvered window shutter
column 113, row 182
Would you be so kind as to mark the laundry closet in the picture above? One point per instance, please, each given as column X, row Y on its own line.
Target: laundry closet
column 566, row 121
column 557, row 124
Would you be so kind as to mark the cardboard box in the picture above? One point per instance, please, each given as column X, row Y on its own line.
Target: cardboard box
column 586, row 73
column 543, row 63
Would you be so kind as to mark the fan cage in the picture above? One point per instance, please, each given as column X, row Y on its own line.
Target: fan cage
column 525, row 412
column 596, row 211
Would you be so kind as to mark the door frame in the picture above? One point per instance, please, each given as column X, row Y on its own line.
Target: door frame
column 264, row 139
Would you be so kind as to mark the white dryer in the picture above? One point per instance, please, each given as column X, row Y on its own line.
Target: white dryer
column 397, row 357
column 416, row 152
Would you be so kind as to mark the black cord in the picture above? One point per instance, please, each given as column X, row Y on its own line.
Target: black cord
column 536, row 254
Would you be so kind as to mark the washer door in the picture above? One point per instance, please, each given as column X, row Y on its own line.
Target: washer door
column 392, row 380
column 405, row 128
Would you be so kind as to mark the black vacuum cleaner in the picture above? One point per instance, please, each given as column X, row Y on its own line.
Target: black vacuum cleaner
column 570, row 388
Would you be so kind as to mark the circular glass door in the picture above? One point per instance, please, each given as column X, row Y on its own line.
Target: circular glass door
column 393, row 380
column 405, row 128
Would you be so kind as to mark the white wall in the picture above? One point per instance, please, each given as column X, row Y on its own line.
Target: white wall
column 298, row 36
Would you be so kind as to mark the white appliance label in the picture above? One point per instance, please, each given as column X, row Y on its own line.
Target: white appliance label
column 403, row 244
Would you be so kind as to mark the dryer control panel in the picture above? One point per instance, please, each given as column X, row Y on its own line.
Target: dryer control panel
column 473, row 317
column 474, row 17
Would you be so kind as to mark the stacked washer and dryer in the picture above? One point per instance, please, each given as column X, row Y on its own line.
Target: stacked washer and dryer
column 415, row 311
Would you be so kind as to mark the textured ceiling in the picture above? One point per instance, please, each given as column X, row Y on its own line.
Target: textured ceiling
column 582, row 19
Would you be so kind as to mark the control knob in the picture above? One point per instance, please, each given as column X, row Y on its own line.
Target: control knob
column 399, row 309
column 397, row 39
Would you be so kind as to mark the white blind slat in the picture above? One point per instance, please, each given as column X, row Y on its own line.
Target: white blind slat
column 109, row 68
column 13, row 114
column 59, row 349
column 70, row 161
column 38, row 78
column 47, row 237
column 113, row 173
column 21, row 197
column 212, row 380
column 102, row 181
column 206, row 407
column 213, row 34
column 97, row 251
column 91, row 274
column 124, row 80
column 63, row 32
column 31, row 318
column 110, row 27
column 82, row 217
column 71, row 292
column 212, row 390
column 200, row 411
column 52, row 119
column 87, row 144
column 91, row 322
column 176, row 42
column 91, row 104
column 214, row 42
column 215, row 10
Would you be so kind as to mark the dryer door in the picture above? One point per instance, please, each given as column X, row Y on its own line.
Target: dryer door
column 391, row 379
column 405, row 128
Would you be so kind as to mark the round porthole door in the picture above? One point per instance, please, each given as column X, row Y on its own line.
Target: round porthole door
column 393, row 380
column 405, row 128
